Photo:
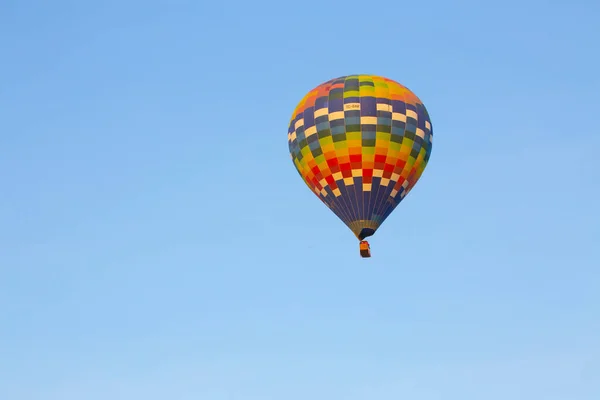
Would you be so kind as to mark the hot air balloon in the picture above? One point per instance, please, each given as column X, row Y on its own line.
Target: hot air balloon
column 360, row 143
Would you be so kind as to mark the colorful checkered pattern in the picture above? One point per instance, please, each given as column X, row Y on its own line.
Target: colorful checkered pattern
column 361, row 143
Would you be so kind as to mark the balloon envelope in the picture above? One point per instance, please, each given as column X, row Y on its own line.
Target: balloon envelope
column 360, row 143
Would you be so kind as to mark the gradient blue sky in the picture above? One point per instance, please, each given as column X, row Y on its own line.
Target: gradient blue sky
column 157, row 243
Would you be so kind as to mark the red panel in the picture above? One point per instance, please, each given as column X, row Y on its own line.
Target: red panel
column 355, row 158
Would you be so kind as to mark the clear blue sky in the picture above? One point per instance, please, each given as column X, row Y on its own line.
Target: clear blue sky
column 157, row 242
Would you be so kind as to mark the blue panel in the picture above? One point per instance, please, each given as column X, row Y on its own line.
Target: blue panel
column 338, row 130
column 309, row 117
column 336, row 105
column 322, row 126
column 312, row 139
column 398, row 128
column 399, row 106
column 352, row 120
column 321, row 119
column 300, row 134
column 368, row 106
column 321, row 102
column 369, row 132
column 337, row 123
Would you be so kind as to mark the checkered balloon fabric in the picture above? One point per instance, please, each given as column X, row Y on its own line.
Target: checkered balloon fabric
column 360, row 143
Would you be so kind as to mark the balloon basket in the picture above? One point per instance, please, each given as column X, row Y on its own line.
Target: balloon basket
column 365, row 249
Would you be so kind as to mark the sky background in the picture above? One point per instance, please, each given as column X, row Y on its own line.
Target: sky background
column 157, row 243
